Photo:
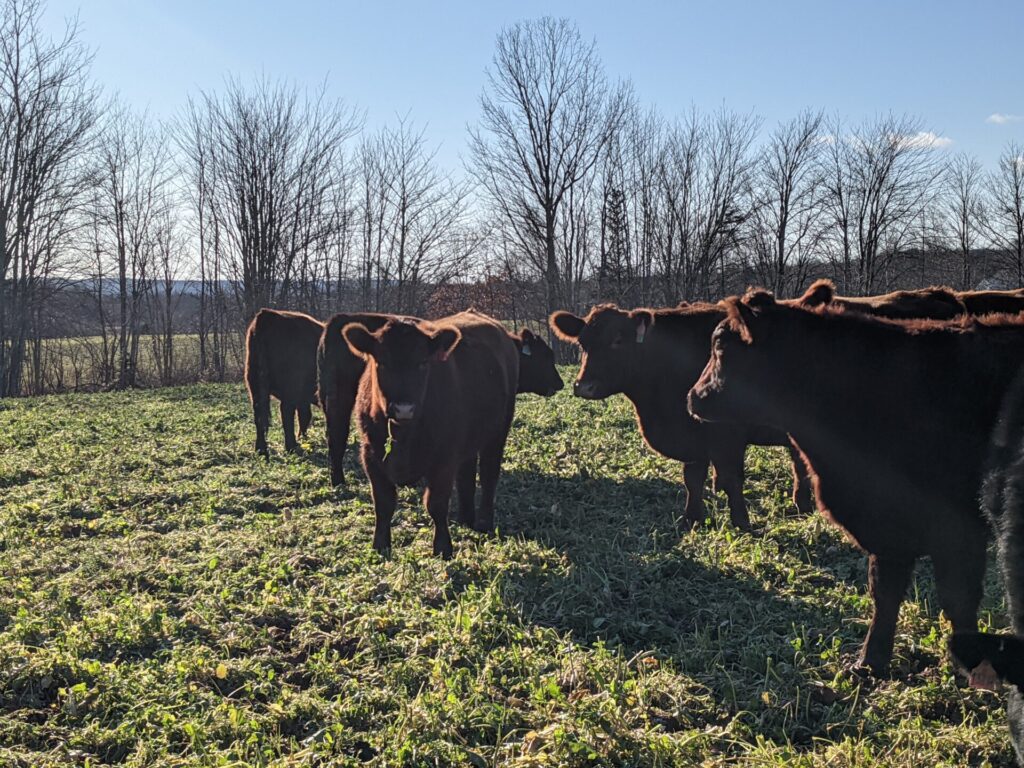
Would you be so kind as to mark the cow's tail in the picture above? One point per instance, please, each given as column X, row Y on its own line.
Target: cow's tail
column 257, row 380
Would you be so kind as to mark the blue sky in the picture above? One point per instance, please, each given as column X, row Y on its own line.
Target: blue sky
column 953, row 64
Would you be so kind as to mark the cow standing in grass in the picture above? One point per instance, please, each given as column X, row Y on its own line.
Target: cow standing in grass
column 435, row 400
column 280, row 360
column 893, row 419
column 653, row 357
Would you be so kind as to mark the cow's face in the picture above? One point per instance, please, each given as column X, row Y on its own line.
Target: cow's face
column 612, row 341
column 736, row 385
column 400, row 356
column 537, row 372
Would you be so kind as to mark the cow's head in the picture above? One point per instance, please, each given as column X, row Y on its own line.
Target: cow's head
column 399, row 356
column 537, row 372
column 738, row 384
column 612, row 341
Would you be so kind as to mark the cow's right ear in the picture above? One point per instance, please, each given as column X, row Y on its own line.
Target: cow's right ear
column 819, row 294
column 360, row 340
column 566, row 325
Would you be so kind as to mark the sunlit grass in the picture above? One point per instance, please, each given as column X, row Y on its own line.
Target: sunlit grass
column 166, row 598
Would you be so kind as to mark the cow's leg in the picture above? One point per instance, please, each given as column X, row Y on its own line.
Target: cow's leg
column 729, row 478
column 288, row 425
column 803, row 497
column 436, row 500
column 385, row 499
column 338, row 413
column 959, row 579
column 305, row 417
column 694, row 475
column 465, row 487
column 261, row 416
column 887, row 583
column 490, row 468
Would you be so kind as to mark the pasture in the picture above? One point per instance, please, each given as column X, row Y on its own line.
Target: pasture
column 168, row 598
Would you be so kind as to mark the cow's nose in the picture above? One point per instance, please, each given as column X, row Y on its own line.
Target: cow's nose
column 584, row 388
column 403, row 411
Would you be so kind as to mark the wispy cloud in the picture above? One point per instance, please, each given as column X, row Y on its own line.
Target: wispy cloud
column 1000, row 118
column 927, row 140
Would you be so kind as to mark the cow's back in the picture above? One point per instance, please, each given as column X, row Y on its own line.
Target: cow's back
column 988, row 302
column 285, row 345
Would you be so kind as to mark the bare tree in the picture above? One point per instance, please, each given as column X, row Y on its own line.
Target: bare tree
column 548, row 111
column 1005, row 189
column 964, row 211
column 268, row 158
column 415, row 225
column 131, row 198
column 48, row 109
column 878, row 179
column 785, row 225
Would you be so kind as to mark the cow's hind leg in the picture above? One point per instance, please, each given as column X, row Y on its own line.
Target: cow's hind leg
column 887, row 583
column 305, row 417
column 288, row 425
column 261, row 417
column 465, row 488
column 338, row 414
column 959, row 579
column 694, row 475
column 436, row 499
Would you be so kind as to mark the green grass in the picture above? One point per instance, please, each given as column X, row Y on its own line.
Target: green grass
column 168, row 599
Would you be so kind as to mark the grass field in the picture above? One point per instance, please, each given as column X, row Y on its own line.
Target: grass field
column 167, row 599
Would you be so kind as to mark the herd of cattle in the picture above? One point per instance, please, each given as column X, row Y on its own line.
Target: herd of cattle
column 903, row 414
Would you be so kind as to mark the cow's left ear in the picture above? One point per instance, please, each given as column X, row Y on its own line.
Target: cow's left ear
column 644, row 319
column 526, row 339
column 443, row 341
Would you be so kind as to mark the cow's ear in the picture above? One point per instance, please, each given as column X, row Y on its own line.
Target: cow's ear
column 526, row 339
column 644, row 319
column 819, row 294
column 443, row 341
column 758, row 299
column 566, row 325
column 360, row 340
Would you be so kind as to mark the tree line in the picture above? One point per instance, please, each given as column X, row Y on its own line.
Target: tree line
column 134, row 251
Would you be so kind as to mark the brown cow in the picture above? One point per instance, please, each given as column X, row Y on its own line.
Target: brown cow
column 280, row 360
column 989, row 302
column 936, row 302
column 435, row 399
column 653, row 356
column 893, row 419
column 338, row 373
